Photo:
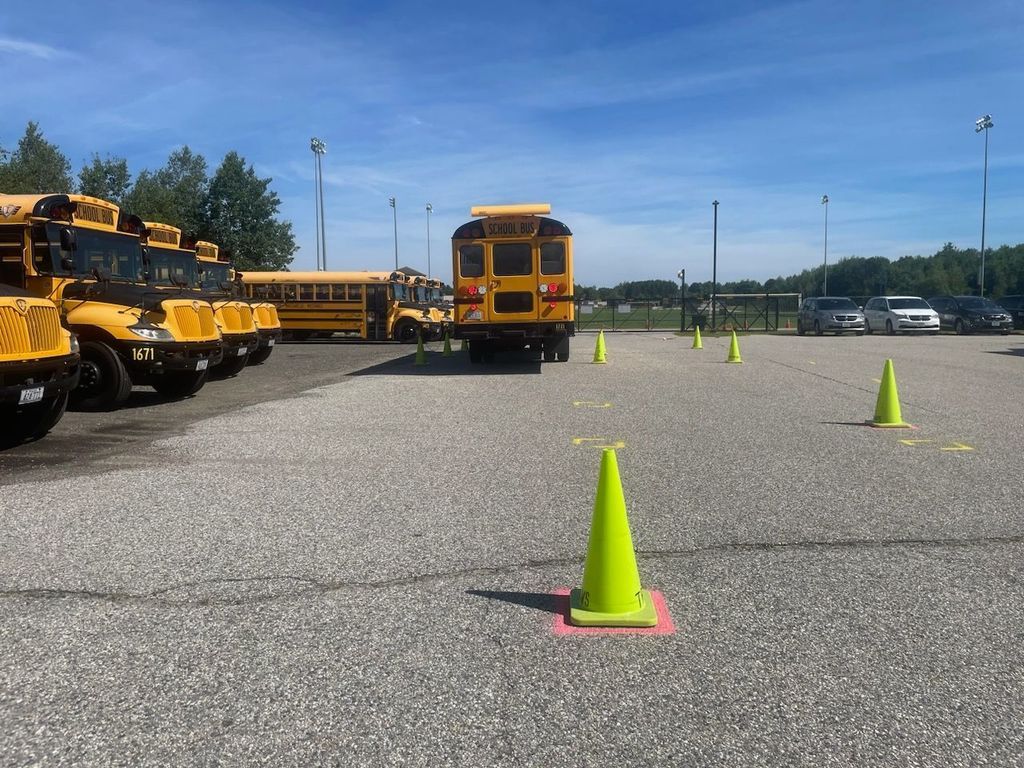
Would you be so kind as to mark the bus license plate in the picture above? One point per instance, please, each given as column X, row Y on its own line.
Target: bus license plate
column 243, row 351
column 201, row 364
column 477, row 315
column 33, row 395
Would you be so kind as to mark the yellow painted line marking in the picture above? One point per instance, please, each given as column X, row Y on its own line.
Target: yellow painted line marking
column 598, row 442
column 914, row 442
column 590, row 404
column 956, row 447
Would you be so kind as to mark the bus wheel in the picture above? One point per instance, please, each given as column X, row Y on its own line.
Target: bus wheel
column 562, row 349
column 230, row 367
column 260, row 356
column 476, row 351
column 34, row 421
column 104, row 383
column 549, row 355
column 180, row 383
column 406, row 331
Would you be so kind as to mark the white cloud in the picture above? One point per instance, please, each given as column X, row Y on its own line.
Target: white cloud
column 24, row 47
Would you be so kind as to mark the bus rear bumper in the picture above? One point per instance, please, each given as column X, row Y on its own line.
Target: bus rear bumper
column 525, row 332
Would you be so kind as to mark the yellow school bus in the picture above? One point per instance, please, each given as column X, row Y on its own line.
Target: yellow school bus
column 173, row 267
column 513, row 281
column 39, row 360
column 427, row 293
column 234, row 316
column 373, row 306
column 85, row 255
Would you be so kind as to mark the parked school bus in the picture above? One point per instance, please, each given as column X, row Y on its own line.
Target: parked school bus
column 175, row 268
column 85, row 255
column 39, row 360
column 234, row 316
column 513, row 282
column 374, row 306
column 427, row 293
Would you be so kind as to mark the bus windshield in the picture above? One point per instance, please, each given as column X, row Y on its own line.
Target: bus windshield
column 401, row 291
column 214, row 274
column 164, row 262
column 120, row 254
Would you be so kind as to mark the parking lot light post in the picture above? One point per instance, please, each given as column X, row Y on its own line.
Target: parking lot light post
column 824, row 202
column 319, row 149
column 430, row 210
column 394, row 210
column 714, row 272
column 983, row 123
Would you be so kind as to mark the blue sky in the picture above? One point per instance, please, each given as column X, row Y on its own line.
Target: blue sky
column 628, row 118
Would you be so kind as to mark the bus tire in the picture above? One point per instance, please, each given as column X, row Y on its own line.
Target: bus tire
column 34, row 421
column 231, row 367
column 406, row 331
column 104, row 383
column 179, row 383
column 476, row 352
column 260, row 356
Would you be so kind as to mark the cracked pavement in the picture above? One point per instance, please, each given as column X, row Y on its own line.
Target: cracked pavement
column 340, row 558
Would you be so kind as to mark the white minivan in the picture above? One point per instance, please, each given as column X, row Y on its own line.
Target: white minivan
column 900, row 314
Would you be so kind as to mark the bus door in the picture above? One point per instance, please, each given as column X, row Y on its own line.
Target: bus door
column 377, row 304
column 512, row 282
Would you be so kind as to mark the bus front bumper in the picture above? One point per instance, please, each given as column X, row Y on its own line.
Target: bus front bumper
column 20, row 382
column 239, row 345
column 268, row 337
column 143, row 360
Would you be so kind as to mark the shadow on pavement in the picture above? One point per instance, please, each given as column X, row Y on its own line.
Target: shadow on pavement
column 456, row 365
column 1013, row 352
column 539, row 601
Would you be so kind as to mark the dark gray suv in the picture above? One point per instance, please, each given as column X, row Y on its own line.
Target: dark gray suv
column 835, row 314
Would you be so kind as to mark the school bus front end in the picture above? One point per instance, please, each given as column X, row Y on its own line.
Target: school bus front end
column 87, row 256
column 233, row 314
column 39, row 364
column 268, row 330
column 513, row 280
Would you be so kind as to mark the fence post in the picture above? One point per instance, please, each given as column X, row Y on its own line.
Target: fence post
column 614, row 307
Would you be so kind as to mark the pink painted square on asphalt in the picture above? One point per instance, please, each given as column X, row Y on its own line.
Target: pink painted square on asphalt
column 562, row 626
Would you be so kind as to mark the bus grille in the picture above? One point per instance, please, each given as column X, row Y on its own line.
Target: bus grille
column 245, row 318
column 38, row 330
column 206, row 323
column 188, row 322
column 232, row 322
column 263, row 315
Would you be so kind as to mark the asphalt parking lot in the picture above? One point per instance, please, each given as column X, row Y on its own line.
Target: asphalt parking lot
column 343, row 558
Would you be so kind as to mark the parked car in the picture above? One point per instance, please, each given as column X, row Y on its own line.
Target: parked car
column 967, row 314
column 1015, row 306
column 829, row 313
column 900, row 314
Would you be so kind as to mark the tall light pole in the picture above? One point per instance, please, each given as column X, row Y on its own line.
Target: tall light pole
column 983, row 123
column 319, row 150
column 824, row 201
column 394, row 209
column 714, row 272
column 430, row 210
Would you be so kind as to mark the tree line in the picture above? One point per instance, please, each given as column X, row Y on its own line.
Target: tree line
column 233, row 207
column 951, row 270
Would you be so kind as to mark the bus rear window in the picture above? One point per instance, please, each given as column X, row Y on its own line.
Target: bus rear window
column 471, row 260
column 512, row 259
column 552, row 259
column 513, row 301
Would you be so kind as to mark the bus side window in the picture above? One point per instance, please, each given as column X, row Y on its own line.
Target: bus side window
column 355, row 293
column 323, row 292
column 338, row 293
column 471, row 260
column 289, row 292
column 305, row 293
column 552, row 258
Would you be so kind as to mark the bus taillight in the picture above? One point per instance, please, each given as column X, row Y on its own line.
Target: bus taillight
column 471, row 290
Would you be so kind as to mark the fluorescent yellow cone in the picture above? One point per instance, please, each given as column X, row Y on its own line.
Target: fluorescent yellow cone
column 734, row 350
column 887, row 407
column 464, row 346
column 421, row 357
column 599, row 354
column 697, row 343
column 611, row 595
column 447, row 346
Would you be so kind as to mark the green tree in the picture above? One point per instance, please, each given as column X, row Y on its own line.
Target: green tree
column 35, row 167
column 175, row 194
column 243, row 219
column 106, row 178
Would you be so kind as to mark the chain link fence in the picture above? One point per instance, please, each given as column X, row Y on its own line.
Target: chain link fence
column 741, row 312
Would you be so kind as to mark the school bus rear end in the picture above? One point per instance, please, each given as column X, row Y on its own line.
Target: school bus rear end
column 513, row 280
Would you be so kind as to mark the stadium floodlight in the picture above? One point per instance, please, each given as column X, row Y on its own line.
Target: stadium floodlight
column 824, row 201
column 983, row 123
column 319, row 149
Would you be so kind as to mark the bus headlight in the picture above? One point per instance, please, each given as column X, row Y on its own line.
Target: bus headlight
column 151, row 333
column 75, row 346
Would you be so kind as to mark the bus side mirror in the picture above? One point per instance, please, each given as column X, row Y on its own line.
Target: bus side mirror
column 68, row 239
column 67, row 264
